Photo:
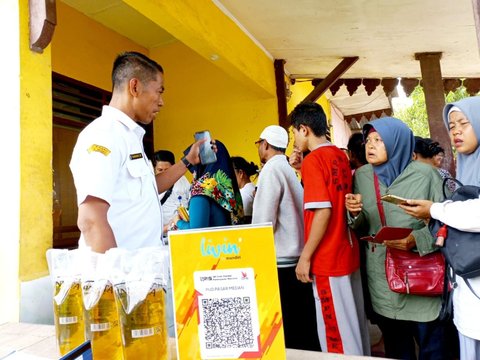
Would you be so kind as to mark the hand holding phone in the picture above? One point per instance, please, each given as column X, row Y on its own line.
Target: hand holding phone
column 397, row 200
column 207, row 154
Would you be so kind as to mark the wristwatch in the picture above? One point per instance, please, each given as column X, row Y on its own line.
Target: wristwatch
column 187, row 163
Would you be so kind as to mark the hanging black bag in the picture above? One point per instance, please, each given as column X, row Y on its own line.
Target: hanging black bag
column 461, row 248
column 446, row 310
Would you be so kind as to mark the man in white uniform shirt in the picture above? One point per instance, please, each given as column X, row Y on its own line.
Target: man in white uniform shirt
column 279, row 200
column 117, row 191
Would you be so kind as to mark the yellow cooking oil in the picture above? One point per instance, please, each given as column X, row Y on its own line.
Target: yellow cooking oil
column 68, row 315
column 144, row 329
column 102, row 327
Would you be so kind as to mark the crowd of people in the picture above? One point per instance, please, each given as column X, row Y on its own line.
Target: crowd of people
column 330, row 281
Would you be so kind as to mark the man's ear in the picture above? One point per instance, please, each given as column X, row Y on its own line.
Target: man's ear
column 134, row 87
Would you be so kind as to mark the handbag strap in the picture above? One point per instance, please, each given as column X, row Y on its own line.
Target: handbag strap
column 166, row 196
column 445, row 186
column 381, row 212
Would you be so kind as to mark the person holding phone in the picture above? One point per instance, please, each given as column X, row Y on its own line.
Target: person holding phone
column 215, row 199
column 117, row 190
column 405, row 320
column 462, row 119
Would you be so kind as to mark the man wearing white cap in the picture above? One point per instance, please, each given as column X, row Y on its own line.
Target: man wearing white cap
column 279, row 200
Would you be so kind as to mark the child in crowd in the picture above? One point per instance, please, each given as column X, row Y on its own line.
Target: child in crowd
column 330, row 258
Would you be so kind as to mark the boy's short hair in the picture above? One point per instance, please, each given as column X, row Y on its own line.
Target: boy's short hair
column 312, row 115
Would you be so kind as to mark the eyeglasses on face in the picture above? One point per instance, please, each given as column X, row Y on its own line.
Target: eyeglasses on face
column 258, row 142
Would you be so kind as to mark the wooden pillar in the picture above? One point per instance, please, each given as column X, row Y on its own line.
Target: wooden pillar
column 476, row 16
column 435, row 101
column 279, row 65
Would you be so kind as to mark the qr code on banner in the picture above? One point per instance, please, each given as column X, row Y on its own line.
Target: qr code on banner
column 227, row 322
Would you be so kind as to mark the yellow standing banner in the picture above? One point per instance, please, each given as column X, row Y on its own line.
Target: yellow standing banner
column 226, row 297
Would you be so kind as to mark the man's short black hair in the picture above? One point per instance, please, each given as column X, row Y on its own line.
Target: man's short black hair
column 133, row 64
column 312, row 115
column 163, row 155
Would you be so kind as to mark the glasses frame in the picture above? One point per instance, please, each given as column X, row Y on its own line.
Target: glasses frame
column 259, row 142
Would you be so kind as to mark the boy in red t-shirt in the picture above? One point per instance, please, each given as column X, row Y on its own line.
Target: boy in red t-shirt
column 330, row 258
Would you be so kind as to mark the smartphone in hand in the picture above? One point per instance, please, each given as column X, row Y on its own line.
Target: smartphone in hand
column 207, row 155
column 397, row 200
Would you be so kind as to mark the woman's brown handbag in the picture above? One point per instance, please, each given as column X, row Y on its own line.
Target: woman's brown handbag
column 409, row 273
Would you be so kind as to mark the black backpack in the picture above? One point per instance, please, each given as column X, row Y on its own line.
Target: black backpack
column 461, row 248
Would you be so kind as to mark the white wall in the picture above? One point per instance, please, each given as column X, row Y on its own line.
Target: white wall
column 10, row 143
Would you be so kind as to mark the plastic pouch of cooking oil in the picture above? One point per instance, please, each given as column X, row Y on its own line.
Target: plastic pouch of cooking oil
column 67, row 299
column 143, row 326
column 140, row 281
column 102, row 327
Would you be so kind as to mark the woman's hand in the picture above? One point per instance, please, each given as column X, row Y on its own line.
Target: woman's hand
column 402, row 244
column 353, row 203
column 419, row 209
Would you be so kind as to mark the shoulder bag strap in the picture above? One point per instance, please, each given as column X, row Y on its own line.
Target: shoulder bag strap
column 166, row 196
column 381, row 212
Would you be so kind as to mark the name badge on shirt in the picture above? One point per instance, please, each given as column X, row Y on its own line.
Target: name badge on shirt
column 136, row 156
